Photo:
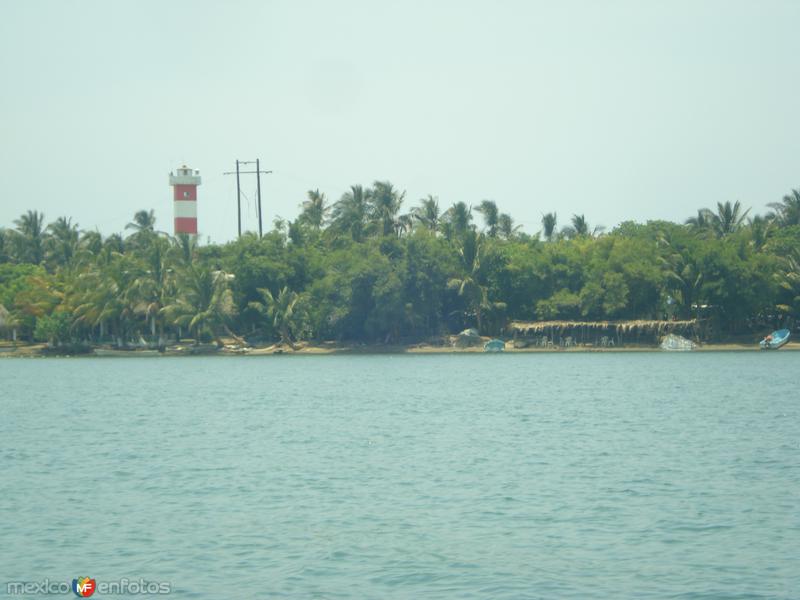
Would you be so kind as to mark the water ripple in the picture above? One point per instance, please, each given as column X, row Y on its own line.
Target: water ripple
column 529, row 476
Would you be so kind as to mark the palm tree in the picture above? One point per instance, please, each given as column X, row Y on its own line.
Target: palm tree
column 115, row 243
column 404, row 224
column 30, row 237
column 790, row 281
column 280, row 310
column 385, row 202
column 490, row 216
column 143, row 221
column 579, row 225
column 684, row 277
column 154, row 287
column 760, row 231
column 350, row 212
column 728, row 219
column 549, row 222
column 104, row 295
column 787, row 212
column 62, row 245
column 427, row 213
column 205, row 305
column 580, row 228
column 91, row 242
column 184, row 248
column 143, row 224
column 469, row 283
column 506, row 227
column 459, row 216
column 315, row 210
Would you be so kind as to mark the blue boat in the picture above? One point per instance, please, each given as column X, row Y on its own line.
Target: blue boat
column 775, row 340
column 494, row 346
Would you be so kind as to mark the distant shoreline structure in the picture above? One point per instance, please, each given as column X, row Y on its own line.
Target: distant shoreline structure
column 332, row 348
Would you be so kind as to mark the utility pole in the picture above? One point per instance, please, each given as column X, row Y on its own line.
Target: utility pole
column 257, row 173
column 258, row 184
column 238, row 199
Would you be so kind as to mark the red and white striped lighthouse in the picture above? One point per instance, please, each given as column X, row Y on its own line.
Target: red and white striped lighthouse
column 184, row 183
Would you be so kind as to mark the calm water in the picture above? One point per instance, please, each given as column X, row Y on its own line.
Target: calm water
column 447, row 476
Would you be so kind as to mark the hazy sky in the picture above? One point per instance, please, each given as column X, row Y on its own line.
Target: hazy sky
column 619, row 110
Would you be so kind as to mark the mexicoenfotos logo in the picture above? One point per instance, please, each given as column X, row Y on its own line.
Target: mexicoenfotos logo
column 84, row 586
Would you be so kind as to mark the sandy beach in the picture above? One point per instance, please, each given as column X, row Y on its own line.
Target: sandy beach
column 7, row 350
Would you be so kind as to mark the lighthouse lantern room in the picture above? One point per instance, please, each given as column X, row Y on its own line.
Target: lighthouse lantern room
column 184, row 182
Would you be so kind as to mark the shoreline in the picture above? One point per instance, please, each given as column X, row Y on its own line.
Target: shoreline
column 329, row 348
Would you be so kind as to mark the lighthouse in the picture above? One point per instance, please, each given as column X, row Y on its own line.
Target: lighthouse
column 184, row 182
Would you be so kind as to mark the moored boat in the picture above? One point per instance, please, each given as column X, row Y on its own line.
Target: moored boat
column 675, row 343
column 775, row 340
column 494, row 346
column 128, row 353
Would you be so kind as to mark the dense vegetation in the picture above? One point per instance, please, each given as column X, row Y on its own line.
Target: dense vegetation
column 360, row 269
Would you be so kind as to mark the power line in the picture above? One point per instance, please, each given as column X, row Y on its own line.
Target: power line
column 238, row 172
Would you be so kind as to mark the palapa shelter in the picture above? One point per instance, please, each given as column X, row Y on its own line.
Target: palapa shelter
column 592, row 332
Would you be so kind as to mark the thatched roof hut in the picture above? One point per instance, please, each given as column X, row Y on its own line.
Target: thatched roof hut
column 589, row 331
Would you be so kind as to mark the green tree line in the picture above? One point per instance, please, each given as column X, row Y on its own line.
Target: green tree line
column 363, row 269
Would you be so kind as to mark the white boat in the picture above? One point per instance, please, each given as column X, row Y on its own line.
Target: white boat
column 676, row 343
